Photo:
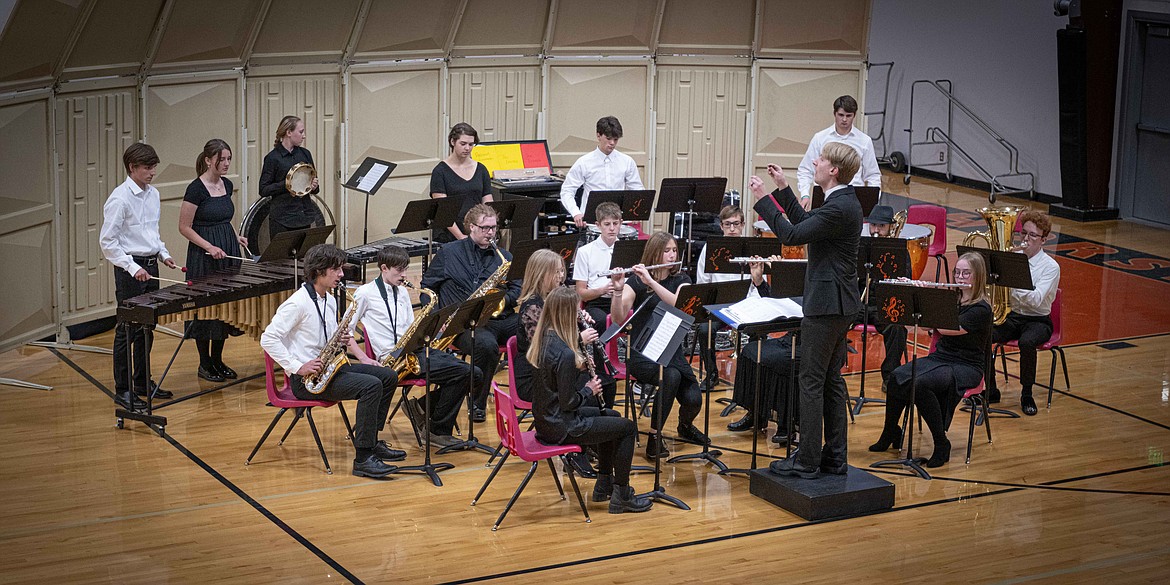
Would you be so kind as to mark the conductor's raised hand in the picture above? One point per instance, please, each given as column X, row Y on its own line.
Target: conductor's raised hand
column 778, row 177
column 756, row 185
column 310, row 367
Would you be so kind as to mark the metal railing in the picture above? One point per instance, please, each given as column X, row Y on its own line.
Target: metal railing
column 942, row 137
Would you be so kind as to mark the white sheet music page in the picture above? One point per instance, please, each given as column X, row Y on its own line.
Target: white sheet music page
column 371, row 179
column 762, row 310
column 662, row 336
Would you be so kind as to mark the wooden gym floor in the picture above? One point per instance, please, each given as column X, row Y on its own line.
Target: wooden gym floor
column 1075, row 494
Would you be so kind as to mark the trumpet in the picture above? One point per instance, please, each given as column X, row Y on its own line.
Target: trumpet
column 923, row 283
column 608, row 273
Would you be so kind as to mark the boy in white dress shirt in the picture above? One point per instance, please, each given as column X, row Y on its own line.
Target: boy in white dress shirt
column 594, row 257
column 842, row 130
column 601, row 169
column 302, row 326
column 386, row 314
column 130, row 241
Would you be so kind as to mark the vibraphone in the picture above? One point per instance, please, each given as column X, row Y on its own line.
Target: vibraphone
column 246, row 298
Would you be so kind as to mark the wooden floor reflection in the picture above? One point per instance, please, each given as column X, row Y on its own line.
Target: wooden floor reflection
column 1076, row 494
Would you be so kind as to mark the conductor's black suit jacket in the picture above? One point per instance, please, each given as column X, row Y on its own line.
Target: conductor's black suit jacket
column 832, row 232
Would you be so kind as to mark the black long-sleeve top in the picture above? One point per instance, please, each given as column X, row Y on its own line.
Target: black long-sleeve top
column 289, row 211
column 558, row 392
column 459, row 267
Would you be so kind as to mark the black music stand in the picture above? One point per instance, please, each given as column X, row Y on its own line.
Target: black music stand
column 368, row 178
column 877, row 259
column 868, row 198
column 627, row 253
column 424, row 334
column 658, row 341
column 518, row 215
column 1006, row 269
column 906, row 304
column 760, row 331
column 423, row 215
column 294, row 244
column 693, row 299
column 468, row 317
column 702, row 195
column 564, row 245
column 634, row 203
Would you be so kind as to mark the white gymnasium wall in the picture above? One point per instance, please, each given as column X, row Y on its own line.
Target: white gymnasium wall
column 1001, row 57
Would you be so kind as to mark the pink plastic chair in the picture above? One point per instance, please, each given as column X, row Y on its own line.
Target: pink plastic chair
column 284, row 399
column 1052, row 345
column 406, row 385
column 525, row 446
column 512, row 350
column 936, row 217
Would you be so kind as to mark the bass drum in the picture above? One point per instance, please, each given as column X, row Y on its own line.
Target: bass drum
column 255, row 224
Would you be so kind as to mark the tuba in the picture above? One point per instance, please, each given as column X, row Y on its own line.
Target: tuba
column 332, row 356
column 406, row 364
column 299, row 179
column 489, row 285
column 1001, row 222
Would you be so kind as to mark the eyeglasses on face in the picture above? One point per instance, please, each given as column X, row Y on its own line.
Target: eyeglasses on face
column 486, row 228
column 962, row 273
column 731, row 224
column 1033, row 235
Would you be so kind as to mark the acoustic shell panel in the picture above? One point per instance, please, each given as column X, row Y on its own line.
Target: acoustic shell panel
column 580, row 94
column 832, row 29
column 34, row 38
column 501, row 104
column 701, row 115
column 501, row 27
column 92, row 132
column 207, row 32
column 705, row 27
column 603, row 27
column 399, row 119
column 26, row 223
column 114, row 40
column 406, row 28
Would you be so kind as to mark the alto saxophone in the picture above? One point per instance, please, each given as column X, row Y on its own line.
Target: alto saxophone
column 489, row 285
column 332, row 356
column 406, row 364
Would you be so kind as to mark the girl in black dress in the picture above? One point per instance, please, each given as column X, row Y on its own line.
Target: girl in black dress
column 461, row 177
column 205, row 219
column 562, row 390
column 956, row 364
column 678, row 379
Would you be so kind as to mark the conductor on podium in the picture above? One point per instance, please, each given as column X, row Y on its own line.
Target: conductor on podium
column 831, row 301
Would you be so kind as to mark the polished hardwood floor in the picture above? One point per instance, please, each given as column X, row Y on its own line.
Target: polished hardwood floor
column 1076, row 494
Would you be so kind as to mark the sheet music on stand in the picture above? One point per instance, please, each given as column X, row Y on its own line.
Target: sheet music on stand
column 663, row 334
column 370, row 175
column 763, row 310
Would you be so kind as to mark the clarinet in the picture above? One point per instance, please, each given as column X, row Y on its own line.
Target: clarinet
column 589, row 348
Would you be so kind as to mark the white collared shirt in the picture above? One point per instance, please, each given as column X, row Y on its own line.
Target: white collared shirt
column 130, row 226
column 869, row 175
column 701, row 276
column 592, row 258
column 371, row 312
column 598, row 172
column 1045, row 279
column 295, row 335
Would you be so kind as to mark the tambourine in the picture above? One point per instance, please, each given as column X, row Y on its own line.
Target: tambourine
column 299, row 179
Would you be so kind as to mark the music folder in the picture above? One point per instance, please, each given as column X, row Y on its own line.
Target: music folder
column 664, row 333
column 370, row 175
column 627, row 253
column 887, row 257
column 898, row 304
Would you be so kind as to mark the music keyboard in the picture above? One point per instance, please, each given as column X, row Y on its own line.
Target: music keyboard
column 365, row 254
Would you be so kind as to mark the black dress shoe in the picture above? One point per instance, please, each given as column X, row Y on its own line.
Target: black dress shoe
column 383, row 451
column 624, row 499
column 603, row 489
column 478, row 415
column 210, row 374
column 792, row 467
column 941, row 455
column 226, row 372
column 692, row 433
column 834, row 468
column 745, row 424
column 129, row 402
column 886, row 441
column 159, row 393
column 372, row 467
column 1028, row 405
column 579, row 462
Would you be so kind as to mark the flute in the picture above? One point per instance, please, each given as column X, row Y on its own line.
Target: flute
column 926, row 283
column 614, row 271
column 750, row 260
